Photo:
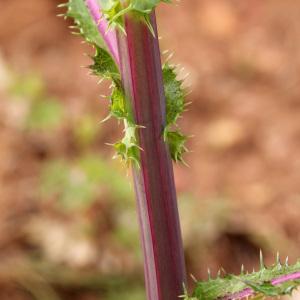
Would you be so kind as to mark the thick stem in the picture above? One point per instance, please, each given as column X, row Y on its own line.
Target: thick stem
column 154, row 182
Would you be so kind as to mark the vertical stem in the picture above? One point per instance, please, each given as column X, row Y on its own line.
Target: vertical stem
column 154, row 182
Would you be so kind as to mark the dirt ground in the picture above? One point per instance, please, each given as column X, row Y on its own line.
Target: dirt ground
column 240, row 193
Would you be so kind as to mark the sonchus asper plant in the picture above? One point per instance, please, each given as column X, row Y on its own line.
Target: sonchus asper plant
column 148, row 99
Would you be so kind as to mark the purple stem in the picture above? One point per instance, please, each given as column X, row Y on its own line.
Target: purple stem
column 141, row 72
column 249, row 292
column 108, row 35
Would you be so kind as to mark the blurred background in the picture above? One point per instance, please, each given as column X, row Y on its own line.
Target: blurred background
column 68, row 227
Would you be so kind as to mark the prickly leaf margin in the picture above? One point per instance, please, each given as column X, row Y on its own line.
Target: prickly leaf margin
column 105, row 66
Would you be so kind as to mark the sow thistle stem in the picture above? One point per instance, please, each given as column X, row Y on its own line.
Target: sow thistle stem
column 154, row 183
column 149, row 99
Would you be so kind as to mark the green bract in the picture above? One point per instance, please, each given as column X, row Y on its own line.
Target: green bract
column 141, row 6
column 104, row 66
column 115, row 9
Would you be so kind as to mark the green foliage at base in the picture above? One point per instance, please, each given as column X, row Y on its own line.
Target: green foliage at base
column 260, row 283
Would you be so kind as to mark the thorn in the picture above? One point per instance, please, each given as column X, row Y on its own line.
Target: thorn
column 223, row 270
column 193, row 278
column 63, row 5
column 187, row 94
column 105, row 119
column 242, row 269
column 170, row 56
column 287, row 261
column 278, row 259
column 261, row 260
column 209, row 274
column 186, row 76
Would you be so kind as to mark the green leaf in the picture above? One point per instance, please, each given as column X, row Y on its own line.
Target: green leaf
column 231, row 286
column 77, row 10
column 145, row 6
column 118, row 107
column 108, row 4
column 174, row 94
column 175, row 104
column 104, row 65
column 176, row 142
column 128, row 148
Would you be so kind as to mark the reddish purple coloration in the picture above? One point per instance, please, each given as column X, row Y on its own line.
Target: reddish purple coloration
column 109, row 36
column 249, row 292
column 154, row 183
column 284, row 278
column 138, row 55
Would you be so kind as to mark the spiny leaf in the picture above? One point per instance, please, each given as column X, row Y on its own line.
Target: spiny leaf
column 118, row 106
column 176, row 142
column 128, row 148
column 274, row 281
column 104, row 65
column 174, row 94
column 175, row 105
column 77, row 10
column 268, row 289
column 103, row 62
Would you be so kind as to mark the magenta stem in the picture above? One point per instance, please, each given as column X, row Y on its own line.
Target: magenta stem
column 249, row 292
column 154, row 182
column 109, row 35
column 284, row 278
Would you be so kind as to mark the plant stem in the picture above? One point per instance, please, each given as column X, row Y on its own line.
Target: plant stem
column 154, row 181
